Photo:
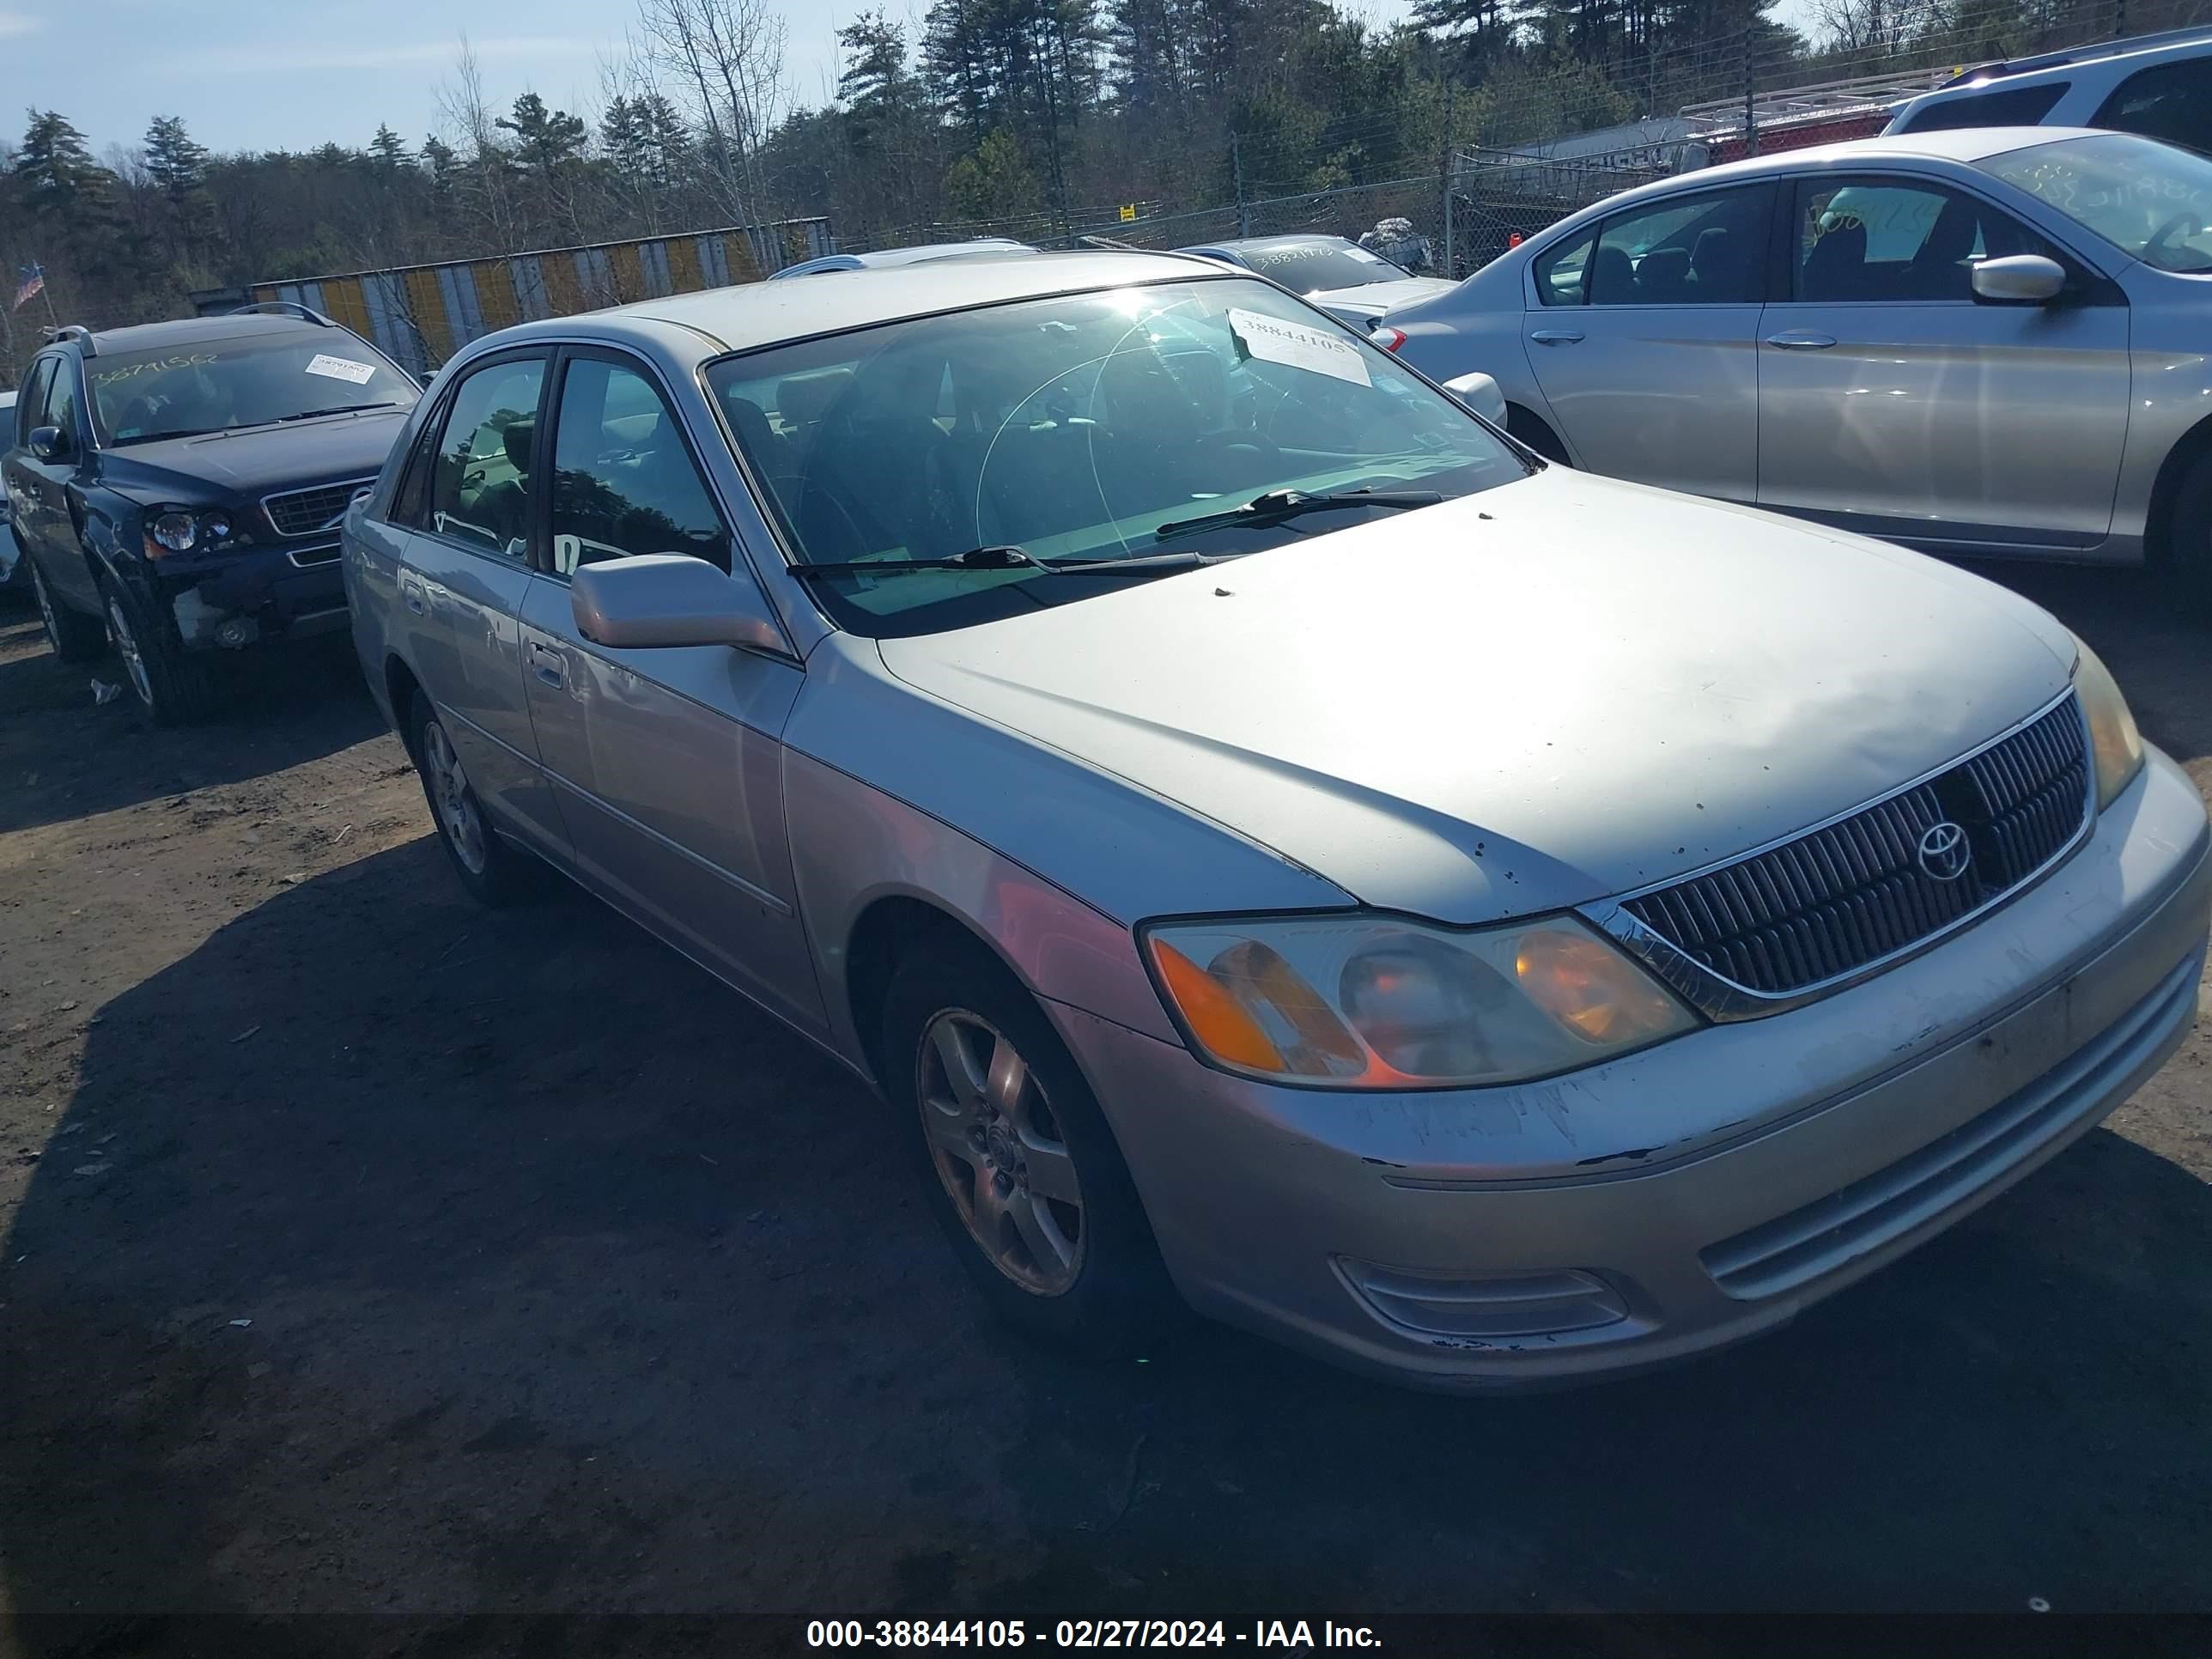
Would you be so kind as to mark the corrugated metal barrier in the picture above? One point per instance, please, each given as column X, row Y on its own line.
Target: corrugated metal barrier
column 420, row 315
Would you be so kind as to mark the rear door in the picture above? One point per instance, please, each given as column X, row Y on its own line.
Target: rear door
column 466, row 506
column 1644, row 335
column 669, row 762
column 1891, row 401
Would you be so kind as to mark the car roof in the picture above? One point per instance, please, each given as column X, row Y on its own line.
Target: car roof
column 755, row 314
column 198, row 330
column 884, row 259
column 1264, row 244
column 1960, row 144
column 2181, row 43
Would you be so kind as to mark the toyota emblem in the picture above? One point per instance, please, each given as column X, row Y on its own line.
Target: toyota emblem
column 1944, row 854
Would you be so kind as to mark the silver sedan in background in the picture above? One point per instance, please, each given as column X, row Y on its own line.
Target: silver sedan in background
column 1987, row 342
column 1279, row 845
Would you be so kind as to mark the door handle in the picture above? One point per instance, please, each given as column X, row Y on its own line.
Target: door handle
column 411, row 589
column 1799, row 340
column 1556, row 337
column 549, row 665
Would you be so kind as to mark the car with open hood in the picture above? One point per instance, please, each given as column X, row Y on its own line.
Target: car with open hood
column 1281, row 847
column 176, row 487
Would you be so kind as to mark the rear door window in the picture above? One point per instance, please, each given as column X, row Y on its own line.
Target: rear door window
column 1708, row 249
column 2172, row 101
column 1563, row 270
column 2010, row 106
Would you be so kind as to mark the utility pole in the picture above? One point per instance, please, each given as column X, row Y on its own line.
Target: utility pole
column 1236, row 170
column 1750, row 92
column 1444, row 176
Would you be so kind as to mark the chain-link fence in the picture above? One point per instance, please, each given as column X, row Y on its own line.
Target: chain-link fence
column 1679, row 106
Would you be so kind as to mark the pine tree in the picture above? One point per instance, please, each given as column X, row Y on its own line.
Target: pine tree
column 388, row 151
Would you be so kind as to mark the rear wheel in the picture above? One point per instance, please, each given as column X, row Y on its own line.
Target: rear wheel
column 1022, row 1171
column 2188, row 551
column 496, row 871
column 172, row 685
column 75, row 637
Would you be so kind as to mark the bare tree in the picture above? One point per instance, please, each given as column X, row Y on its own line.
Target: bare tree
column 726, row 59
column 483, row 189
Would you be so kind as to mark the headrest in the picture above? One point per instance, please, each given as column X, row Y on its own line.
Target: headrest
column 803, row 399
column 517, row 438
column 1664, row 270
column 1612, row 278
column 753, row 435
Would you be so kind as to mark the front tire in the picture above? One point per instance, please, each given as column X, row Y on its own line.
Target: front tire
column 1022, row 1172
column 496, row 872
column 75, row 637
column 173, row 686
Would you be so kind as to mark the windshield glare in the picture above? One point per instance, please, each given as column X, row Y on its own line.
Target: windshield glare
column 247, row 380
column 1073, row 427
column 2151, row 200
column 1315, row 267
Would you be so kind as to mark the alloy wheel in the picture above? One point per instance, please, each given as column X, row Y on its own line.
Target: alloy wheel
column 997, row 1147
column 455, row 801
column 126, row 646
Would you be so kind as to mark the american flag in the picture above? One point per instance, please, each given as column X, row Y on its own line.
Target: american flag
column 32, row 279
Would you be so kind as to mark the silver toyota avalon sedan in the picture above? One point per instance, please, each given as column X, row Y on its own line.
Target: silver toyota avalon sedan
column 1989, row 341
column 1279, row 846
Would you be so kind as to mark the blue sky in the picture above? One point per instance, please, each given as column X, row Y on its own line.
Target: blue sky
column 288, row 74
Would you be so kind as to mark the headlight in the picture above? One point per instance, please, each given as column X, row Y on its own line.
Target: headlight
column 2114, row 744
column 1374, row 1002
column 175, row 531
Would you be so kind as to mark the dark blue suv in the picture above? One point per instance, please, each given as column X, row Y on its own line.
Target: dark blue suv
column 177, row 488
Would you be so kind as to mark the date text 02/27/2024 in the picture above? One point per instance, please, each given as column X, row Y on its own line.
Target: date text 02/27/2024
column 1080, row 1634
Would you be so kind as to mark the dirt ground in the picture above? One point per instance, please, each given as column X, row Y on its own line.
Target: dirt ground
column 366, row 1252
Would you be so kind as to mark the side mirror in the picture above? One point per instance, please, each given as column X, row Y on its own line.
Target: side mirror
column 1480, row 393
column 654, row 599
column 424, row 378
column 50, row 443
column 2018, row 279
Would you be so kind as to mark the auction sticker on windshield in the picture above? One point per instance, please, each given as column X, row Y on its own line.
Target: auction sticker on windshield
column 1271, row 340
column 340, row 368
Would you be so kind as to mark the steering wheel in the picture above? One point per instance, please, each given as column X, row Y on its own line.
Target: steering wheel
column 1234, row 438
column 2182, row 224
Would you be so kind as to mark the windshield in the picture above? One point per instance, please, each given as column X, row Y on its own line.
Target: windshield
column 1312, row 267
column 245, row 380
column 2151, row 200
column 1073, row 428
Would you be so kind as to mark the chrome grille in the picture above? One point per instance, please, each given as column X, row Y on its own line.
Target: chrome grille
column 1853, row 892
column 310, row 512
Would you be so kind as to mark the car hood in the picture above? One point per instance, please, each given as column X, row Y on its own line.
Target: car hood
column 1562, row 689
column 255, row 463
column 1369, row 301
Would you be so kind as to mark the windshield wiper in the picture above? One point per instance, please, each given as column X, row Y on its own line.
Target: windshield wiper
column 161, row 437
column 1278, row 506
column 340, row 408
column 975, row 558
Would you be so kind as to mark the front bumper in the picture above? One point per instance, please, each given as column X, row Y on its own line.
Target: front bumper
column 1691, row 1195
column 238, row 598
